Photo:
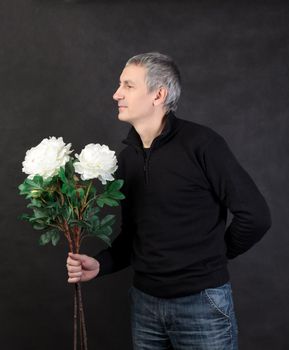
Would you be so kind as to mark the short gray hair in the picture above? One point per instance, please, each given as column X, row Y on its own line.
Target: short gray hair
column 161, row 71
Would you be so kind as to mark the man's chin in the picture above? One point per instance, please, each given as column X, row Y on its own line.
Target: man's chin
column 121, row 116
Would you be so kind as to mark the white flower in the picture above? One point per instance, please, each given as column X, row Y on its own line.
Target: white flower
column 96, row 161
column 46, row 158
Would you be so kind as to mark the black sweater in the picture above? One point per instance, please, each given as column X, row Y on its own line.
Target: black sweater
column 174, row 216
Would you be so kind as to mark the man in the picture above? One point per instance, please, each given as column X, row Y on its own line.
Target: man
column 180, row 178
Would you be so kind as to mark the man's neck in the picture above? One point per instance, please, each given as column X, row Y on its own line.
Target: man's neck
column 149, row 130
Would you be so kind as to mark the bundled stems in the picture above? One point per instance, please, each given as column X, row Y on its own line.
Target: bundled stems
column 75, row 322
column 79, row 324
column 83, row 336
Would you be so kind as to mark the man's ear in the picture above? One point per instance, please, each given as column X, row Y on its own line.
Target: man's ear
column 160, row 96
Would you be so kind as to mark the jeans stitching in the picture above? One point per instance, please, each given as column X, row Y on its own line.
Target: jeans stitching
column 228, row 317
column 214, row 305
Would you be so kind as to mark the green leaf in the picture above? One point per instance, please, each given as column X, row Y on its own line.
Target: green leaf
column 38, row 213
column 69, row 169
column 64, row 188
column 105, row 230
column 32, row 188
column 50, row 194
column 50, row 181
column 38, row 179
column 39, row 226
column 92, row 191
column 22, row 188
column 115, row 185
column 81, row 193
column 62, row 175
column 66, row 212
column 105, row 239
column 55, row 237
column 108, row 201
column 44, row 238
column 82, row 223
column 116, row 195
column 100, row 202
column 95, row 221
column 52, row 205
column 107, row 220
column 71, row 191
column 24, row 217
column 52, row 236
column 30, row 183
column 34, row 203
column 111, row 202
column 35, row 193
column 36, row 183
column 90, row 211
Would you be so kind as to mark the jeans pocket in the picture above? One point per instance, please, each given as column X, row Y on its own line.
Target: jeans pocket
column 220, row 299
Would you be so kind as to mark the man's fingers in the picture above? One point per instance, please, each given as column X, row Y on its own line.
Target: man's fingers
column 81, row 267
column 74, row 274
column 77, row 257
column 73, row 280
column 72, row 262
column 73, row 268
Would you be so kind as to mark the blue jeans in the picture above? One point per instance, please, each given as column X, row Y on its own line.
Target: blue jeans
column 202, row 321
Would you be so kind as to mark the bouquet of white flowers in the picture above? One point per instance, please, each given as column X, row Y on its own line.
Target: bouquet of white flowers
column 64, row 203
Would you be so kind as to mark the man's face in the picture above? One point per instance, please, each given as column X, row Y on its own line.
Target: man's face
column 134, row 101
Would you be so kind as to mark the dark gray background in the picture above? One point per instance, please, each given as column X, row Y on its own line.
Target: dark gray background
column 60, row 64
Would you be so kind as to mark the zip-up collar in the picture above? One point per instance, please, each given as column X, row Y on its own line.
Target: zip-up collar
column 172, row 125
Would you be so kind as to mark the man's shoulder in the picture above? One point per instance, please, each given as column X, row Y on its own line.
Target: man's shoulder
column 126, row 154
column 125, row 151
column 197, row 133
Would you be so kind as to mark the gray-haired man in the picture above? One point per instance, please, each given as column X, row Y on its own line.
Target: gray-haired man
column 180, row 179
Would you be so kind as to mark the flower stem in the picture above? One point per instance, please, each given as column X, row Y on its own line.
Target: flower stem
column 76, row 306
column 82, row 318
column 92, row 199
column 74, row 246
column 87, row 193
column 75, row 320
column 79, row 316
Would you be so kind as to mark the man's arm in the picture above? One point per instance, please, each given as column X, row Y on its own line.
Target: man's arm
column 117, row 257
column 238, row 192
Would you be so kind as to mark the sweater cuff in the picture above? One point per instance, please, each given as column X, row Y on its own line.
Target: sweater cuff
column 105, row 262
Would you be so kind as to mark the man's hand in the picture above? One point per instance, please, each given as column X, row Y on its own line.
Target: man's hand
column 81, row 268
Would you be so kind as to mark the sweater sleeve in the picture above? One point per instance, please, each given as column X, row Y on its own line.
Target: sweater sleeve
column 117, row 257
column 237, row 191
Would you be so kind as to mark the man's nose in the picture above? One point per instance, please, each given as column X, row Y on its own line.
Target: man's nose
column 117, row 95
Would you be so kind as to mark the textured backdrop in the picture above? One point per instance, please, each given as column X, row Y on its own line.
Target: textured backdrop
column 59, row 66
